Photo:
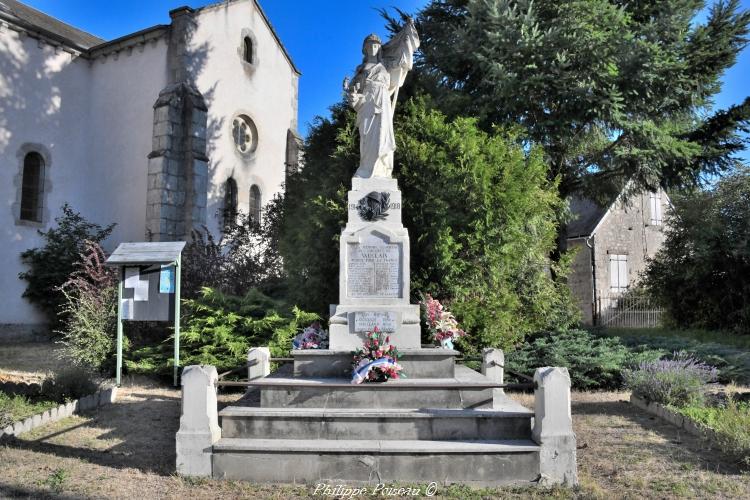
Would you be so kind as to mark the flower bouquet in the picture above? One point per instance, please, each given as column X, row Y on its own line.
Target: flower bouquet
column 312, row 337
column 441, row 323
column 377, row 360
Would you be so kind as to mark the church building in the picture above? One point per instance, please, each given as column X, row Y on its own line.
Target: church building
column 160, row 131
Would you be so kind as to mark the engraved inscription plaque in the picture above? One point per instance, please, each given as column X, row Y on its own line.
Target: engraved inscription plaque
column 366, row 321
column 374, row 269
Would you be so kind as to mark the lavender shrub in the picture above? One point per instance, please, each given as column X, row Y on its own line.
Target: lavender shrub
column 677, row 382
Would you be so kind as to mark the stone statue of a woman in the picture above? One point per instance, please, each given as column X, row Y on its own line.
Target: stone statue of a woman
column 373, row 92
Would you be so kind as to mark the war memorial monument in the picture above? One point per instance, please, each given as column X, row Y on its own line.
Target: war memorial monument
column 442, row 423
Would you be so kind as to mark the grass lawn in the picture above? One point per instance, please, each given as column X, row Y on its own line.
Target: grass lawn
column 126, row 450
column 14, row 408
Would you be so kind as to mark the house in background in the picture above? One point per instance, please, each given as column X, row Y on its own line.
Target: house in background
column 161, row 131
column 613, row 243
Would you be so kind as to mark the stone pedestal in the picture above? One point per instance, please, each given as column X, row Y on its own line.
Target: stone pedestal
column 374, row 270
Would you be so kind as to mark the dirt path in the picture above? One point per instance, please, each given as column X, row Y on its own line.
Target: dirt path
column 127, row 451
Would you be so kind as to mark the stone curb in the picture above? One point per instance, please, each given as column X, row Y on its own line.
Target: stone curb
column 676, row 419
column 91, row 402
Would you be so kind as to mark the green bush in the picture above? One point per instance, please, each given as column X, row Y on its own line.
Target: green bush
column 72, row 382
column 245, row 257
column 593, row 362
column 51, row 265
column 677, row 382
column 90, row 311
column 700, row 273
column 730, row 422
column 219, row 329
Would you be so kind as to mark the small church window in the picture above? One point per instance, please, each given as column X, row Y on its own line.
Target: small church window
column 655, row 199
column 618, row 273
column 255, row 203
column 244, row 134
column 248, row 52
column 230, row 202
column 32, row 187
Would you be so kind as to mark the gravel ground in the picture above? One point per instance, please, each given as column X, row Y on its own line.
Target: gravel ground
column 126, row 450
column 29, row 361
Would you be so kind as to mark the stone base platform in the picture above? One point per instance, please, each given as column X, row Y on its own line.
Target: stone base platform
column 417, row 363
column 467, row 389
column 356, row 423
column 479, row 463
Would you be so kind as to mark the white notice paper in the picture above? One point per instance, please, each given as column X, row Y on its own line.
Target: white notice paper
column 127, row 308
column 132, row 277
column 141, row 291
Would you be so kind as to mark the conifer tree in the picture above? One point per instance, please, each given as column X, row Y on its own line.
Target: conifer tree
column 613, row 91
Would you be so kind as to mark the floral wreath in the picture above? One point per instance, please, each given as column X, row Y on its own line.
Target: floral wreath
column 377, row 360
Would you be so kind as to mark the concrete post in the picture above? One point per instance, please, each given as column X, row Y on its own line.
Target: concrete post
column 553, row 427
column 493, row 363
column 263, row 366
column 199, row 423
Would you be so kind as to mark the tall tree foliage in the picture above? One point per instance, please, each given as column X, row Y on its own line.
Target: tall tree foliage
column 611, row 90
column 479, row 209
column 701, row 272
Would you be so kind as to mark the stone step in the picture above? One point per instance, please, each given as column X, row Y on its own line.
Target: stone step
column 406, row 424
column 481, row 463
column 417, row 363
column 468, row 389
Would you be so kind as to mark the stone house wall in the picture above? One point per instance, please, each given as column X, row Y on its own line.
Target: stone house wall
column 625, row 229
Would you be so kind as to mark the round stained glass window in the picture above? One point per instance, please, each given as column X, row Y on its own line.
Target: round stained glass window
column 244, row 134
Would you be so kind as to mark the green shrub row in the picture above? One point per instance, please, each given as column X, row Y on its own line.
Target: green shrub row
column 732, row 362
column 219, row 329
column 593, row 362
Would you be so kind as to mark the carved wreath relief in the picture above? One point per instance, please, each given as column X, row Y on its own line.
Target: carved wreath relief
column 374, row 206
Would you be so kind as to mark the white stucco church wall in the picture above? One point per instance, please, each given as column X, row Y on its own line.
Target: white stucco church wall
column 87, row 106
column 264, row 90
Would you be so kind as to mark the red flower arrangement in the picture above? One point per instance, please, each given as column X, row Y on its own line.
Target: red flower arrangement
column 441, row 323
column 377, row 360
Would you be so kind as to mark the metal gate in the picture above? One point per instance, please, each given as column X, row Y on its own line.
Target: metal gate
column 627, row 311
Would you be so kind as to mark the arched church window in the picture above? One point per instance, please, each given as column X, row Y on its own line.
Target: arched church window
column 248, row 52
column 244, row 134
column 255, row 203
column 32, row 187
column 230, row 202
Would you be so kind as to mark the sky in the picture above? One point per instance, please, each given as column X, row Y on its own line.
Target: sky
column 324, row 38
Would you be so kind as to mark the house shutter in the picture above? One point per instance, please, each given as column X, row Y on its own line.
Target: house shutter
column 655, row 199
column 618, row 273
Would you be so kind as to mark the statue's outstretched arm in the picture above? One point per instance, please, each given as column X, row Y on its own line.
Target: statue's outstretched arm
column 398, row 57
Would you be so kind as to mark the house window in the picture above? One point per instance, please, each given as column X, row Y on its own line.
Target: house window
column 32, row 187
column 255, row 203
column 618, row 273
column 655, row 199
column 230, row 202
column 247, row 54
